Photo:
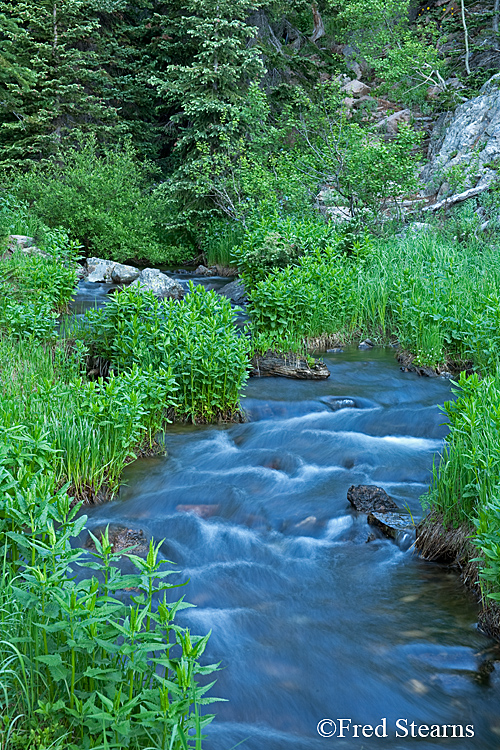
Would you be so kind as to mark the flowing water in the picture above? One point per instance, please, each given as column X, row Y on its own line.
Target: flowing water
column 312, row 618
column 309, row 619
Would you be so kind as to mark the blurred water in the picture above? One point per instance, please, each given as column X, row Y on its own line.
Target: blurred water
column 309, row 620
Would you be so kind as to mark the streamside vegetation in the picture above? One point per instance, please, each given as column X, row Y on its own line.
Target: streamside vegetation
column 83, row 663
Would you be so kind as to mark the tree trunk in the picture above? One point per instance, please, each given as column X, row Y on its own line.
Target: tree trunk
column 319, row 27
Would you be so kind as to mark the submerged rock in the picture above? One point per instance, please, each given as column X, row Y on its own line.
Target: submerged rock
column 153, row 280
column 202, row 511
column 394, row 525
column 120, row 537
column 287, row 366
column 337, row 402
column 368, row 498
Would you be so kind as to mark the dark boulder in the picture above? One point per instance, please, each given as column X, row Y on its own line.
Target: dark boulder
column 368, row 498
column 235, row 291
column 121, row 538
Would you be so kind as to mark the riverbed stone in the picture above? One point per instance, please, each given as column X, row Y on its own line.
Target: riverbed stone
column 203, row 271
column 366, row 344
column 202, row 510
column 121, row 538
column 393, row 525
column 123, row 274
column 368, row 498
column 337, row 402
column 235, row 291
column 153, row 280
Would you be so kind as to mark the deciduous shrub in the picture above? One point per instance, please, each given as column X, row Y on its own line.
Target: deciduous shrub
column 105, row 201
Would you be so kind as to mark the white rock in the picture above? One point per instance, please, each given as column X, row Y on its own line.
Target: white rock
column 99, row 270
column 356, row 88
column 153, row 280
column 468, row 138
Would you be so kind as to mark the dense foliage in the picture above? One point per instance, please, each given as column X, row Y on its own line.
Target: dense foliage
column 439, row 298
column 79, row 666
column 194, row 338
column 89, row 666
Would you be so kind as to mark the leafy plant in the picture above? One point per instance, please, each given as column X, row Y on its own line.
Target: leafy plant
column 79, row 666
column 195, row 338
column 103, row 198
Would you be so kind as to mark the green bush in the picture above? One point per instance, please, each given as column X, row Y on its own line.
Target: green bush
column 276, row 241
column 194, row 337
column 106, row 202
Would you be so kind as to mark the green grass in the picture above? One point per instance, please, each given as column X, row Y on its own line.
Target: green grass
column 439, row 298
column 94, row 427
column 466, row 481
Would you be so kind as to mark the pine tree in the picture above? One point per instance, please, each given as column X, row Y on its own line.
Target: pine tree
column 56, row 41
column 205, row 86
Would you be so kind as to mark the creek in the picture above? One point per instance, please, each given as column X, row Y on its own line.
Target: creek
column 309, row 619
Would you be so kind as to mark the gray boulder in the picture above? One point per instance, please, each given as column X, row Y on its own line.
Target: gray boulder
column 391, row 124
column 356, row 88
column 99, row 270
column 235, row 291
column 203, row 271
column 468, row 139
column 19, row 242
column 122, row 274
column 153, row 280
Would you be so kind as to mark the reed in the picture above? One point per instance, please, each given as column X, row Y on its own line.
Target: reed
column 439, row 298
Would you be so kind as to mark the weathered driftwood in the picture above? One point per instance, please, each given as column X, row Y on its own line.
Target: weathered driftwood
column 287, row 366
column 458, row 197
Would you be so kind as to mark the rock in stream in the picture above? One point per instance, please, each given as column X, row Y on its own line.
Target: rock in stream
column 287, row 366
